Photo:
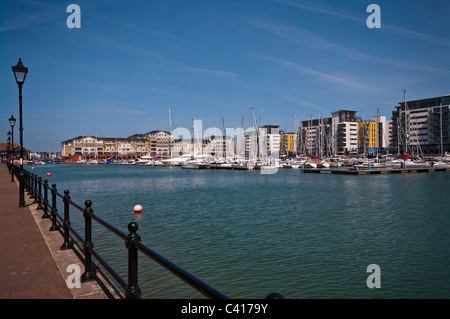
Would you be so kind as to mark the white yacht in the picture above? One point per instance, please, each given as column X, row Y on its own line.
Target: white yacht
column 334, row 162
column 414, row 164
column 195, row 164
column 309, row 165
column 145, row 160
column 323, row 164
column 177, row 161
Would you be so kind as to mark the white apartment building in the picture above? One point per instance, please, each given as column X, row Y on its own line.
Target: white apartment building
column 422, row 126
column 344, row 132
column 268, row 141
column 315, row 137
column 82, row 145
column 155, row 143
column 382, row 131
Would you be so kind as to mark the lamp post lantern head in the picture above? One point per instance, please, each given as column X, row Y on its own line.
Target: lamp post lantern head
column 9, row 135
column 20, row 72
column 12, row 121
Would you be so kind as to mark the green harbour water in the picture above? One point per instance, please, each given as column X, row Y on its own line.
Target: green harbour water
column 249, row 234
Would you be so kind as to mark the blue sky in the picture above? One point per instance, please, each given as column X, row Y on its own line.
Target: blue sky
column 131, row 60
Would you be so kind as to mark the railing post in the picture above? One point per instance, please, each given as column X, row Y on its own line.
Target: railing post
column 30, row 185
column 39, row 194
column 132, row 291
column 89, row 273
column 67, row 244
column 25, row 180
column 35, row 193
column 46, row 215
column 54, row 210
column 11, row 171
column 29, row 182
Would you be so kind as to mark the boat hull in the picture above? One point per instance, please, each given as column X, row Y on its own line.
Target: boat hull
column 194, row 166
column 171, row 164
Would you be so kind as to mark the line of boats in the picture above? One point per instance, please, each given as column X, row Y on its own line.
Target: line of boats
column 187, row 161
column 384, row 162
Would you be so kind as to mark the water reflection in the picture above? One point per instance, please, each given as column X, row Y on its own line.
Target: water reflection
column 310, row 235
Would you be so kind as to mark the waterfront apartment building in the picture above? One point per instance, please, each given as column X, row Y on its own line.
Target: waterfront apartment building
column 367, row 136
column 315, row 137
column 421, row 127
column 263, row 145
column 383, row 129
column 270, row 134
column 160, row 143
column 154, row 143
column 288, row 144
column 220, row 146
column 344, row 132
column 216, row 146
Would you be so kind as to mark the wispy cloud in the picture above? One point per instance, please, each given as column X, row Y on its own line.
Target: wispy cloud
column 179, row 65
column 148, row 53
column 312, row 40
column 143, row 29
column 205, row 71
column 34, row 14
column 305, row 6
column 345, row 81
column 169, row 35
column 294, row 34
column 362, row 20
column 416, row 35
column 306, row 104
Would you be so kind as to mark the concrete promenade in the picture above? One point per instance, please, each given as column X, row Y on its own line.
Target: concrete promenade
column 31, row 264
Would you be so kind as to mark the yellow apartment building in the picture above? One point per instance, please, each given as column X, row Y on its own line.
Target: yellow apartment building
column 367, row 136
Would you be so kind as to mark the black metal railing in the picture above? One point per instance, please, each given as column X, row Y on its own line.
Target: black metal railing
column 39, row 190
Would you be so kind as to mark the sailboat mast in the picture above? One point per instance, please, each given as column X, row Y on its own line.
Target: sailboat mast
column 257, row 134
column 214, row 130
column 364, row 135
column 406, row 121
column 378, row 133
column 201, row 143
column 224, row 136
column 398, row 134
column 258, row 127
column 193, row 138
column 320, row 135
column 170, row 134
column 296, row 134
column 307, row 135
column 242, row 145
column 440, row 124
column 260, row 117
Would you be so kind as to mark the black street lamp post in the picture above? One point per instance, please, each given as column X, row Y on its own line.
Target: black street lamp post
column 9, row 152
column 12, row 122
column 20, row 73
